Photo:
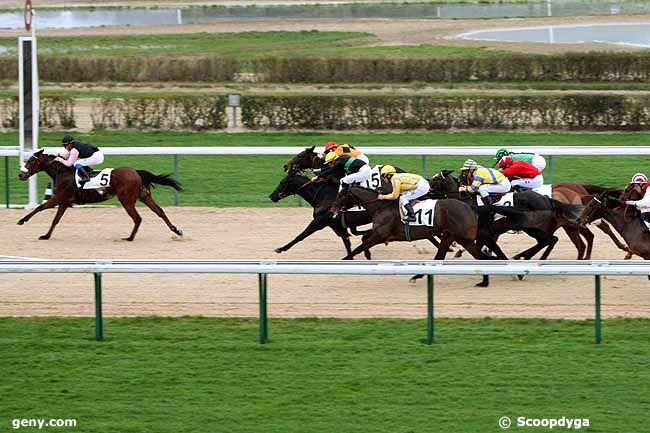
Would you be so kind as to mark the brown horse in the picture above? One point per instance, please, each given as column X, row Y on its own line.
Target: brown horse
column 627, row 224
column 453, row 221
column 127, row 184
column 586, row 192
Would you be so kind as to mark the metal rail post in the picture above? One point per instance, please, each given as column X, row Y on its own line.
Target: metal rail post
column 264, row 330
column 429, row 309
column 176, row 177
column 550, row 169
column 99, row 325
column 597, row 323
column 424, row 166
column 7, row 181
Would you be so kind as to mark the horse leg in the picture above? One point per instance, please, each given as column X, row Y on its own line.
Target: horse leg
column 129, row 207
column 602, row 225
column 151, row 204
column 345, row 238
column 313, row 227
column 443, row 248
column 366, row 253
column 476, row 252
column 53, row 201
column 59, row 213
column 589, row 236
column 367, row 243
column 574, row 234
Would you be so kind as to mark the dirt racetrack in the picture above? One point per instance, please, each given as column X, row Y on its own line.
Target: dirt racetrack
column 253, row 234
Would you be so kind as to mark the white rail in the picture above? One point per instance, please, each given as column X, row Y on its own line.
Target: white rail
column 378, row 267
column 380, row 150
column 374, row 267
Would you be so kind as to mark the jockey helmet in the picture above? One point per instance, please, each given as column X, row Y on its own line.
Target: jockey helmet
column 502, row 152
column 505, row 161
column 331, row 145
column 388, row 169
column 331, row 157
column 639, row 178
column 470, row 164
column 67, row 139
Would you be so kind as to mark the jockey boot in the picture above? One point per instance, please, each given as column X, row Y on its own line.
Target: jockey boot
column 487, row 200
column 84, row 174
column 410, row 213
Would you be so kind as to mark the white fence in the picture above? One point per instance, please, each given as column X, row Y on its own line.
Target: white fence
column 423, row 151
column 329, row 267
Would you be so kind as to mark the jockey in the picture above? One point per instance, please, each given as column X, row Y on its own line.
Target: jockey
column 345, row 149
column 406, row 186
column 528, row 176
column 346, row 168
column 80, row 155
column 640, row 181
column 533, row 158
column 484, row 180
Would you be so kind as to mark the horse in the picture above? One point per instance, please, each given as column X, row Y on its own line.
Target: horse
column 452, row 221
column 321, row 196
column 127, row 184
column 607, row 206
column 542, row 218
column 305, row 160
column 586, row 193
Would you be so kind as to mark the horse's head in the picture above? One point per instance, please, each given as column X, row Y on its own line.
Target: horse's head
column 307, row 159
column 443, row 184
column 289, row 185
column 632, row 191
column 597, row 208
column 39, row 161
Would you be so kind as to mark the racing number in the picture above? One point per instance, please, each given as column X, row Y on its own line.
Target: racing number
column 374, row 181
column 428, row 214
column 103, row 180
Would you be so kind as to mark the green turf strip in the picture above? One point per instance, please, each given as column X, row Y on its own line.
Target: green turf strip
column 228, row 181
column 210, row 375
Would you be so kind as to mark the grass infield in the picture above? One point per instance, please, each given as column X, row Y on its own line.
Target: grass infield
column 196, row 374
column 247, row 181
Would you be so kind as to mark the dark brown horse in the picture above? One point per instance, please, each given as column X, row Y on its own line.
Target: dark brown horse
column 625, row 221
column 586, row 193
column 542, row 217
column 453, row 221
column 127, row 184
column 321, row 196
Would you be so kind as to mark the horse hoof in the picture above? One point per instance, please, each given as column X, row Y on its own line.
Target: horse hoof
column 458, row 254
column 43, row 237
column 128, row 239
column 179, row 232
column 521, row 277
column 279, row 250
column 481, row 284
column 414, row 278
column 20, row 223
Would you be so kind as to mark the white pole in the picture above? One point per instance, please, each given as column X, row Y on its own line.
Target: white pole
column 33, row 183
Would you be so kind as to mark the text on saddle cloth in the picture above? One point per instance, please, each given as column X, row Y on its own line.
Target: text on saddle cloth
column 100, row 180
column 424, row 213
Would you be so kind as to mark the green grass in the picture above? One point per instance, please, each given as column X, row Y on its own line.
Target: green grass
column 227, row 181
column 243, row 46
column 210, row 375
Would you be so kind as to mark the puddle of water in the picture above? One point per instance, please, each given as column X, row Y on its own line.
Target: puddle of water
column 637, row 35
column 74, row 18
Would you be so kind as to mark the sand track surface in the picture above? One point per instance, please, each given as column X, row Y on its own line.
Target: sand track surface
column 253, row 233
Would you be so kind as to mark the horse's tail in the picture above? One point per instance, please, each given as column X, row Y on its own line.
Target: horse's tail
column 565, row 210
column 149, row 179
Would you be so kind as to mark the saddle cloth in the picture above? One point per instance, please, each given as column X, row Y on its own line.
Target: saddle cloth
column 98, row 179
column 424, row 213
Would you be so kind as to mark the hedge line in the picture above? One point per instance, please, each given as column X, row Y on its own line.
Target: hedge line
column 515, row 67
column 580, row 112
column 576, row 112
column 181, row 112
